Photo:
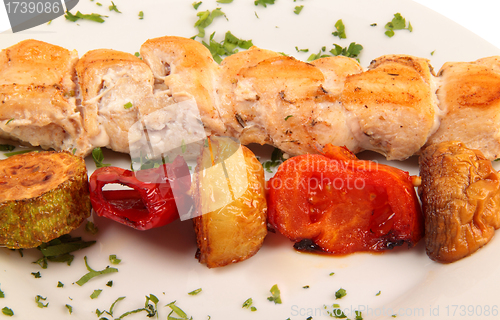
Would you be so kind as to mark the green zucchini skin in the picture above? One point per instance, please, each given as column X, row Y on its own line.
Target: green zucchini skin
column 27, row 223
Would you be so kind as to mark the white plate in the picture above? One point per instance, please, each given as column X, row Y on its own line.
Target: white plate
column 161, row 261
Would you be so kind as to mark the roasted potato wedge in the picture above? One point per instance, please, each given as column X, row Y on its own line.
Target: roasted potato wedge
column 230, row 203
column 460, row 194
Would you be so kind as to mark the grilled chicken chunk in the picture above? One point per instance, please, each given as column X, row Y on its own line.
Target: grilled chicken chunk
column 257, row 96
column 184, row 69
column 37, row 97
column 116, row 89
column 460, row 194
column 393, row 104
column 469, row 97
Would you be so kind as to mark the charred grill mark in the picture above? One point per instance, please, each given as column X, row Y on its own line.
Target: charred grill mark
column 240, row 120
column 282, row 97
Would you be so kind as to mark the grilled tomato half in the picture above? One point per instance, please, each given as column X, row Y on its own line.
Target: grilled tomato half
column 335, row 203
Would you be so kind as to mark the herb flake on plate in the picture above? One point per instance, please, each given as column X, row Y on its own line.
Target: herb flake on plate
column 93, row 273
column 340, row 27
column 91, row 17
column 275, row 295
column 7, row 311
column 205, row 18
column 397, row 23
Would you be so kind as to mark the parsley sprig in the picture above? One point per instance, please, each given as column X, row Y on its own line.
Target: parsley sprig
column 352, row 51
column 226, row 47
column 397, row 23
column 205, row 18
column 339, row 25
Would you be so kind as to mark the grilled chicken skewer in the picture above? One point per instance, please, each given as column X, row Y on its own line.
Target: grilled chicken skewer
column 395, row 107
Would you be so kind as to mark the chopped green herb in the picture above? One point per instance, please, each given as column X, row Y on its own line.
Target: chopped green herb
column 128, row 105
column 141, row 15
column 99, row 4
column 337, row 312
column 309, row 318
column 397, row 23
column 298, row 9
column 7, row 311
column 432, row 53
column 340, row 293
column 59, row 249
column 91, row 228
column 224, row 1
column 358, row 315
column 339, row 25
column 264, row 2
column 306, row 287
column 6, row 147
column 226, row 47
column 110, row 312
column 109, row 283
column 194, row 292
column 205, row 18
column 277, row 157
column 93, row 273
column 98, row 157
column 378, row 293
column 394, row 315
column 2, row 294
column 113, row 259
column 37, row 275
column 39, row 299
column 60, row 284
column 248, row 302
column 113, row 7
column 275, row 295
column 352, row 51
column 177, row 311
column 92, row 17
column 288, row 117
column 10, row 154
column 196, row 5
column 10, row 120
column 373, row 25
column 95, row 294
column 331, row 273
column 70, row 308
column 248, row 305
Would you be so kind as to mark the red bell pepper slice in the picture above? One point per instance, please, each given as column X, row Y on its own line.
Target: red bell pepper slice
column 335, row 203
column 150, row 203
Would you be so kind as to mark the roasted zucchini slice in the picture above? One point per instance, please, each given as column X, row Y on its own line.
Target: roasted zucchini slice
column 43, row 195
column 230, row 203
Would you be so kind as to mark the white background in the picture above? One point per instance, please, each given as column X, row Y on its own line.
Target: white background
column 479, row 16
